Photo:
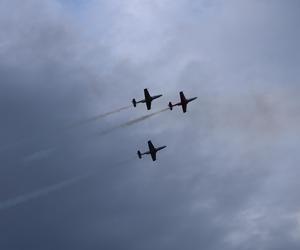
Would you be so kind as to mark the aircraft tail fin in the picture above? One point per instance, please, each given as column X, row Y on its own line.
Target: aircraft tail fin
column 139, row 154
column 170, row 106
column 134, row 102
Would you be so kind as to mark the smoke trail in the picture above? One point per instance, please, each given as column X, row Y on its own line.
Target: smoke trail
column 97, row 117
column 11, row 145
column 50, row 189
column 142, row 118
column 131, row 122
column 44, row 153
column 38, row 155
column 74, row 125
column 39, row 193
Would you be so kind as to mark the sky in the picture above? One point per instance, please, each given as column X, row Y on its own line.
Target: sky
column 69, row 174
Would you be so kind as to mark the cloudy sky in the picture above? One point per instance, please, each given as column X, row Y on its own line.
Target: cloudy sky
column 70, row 178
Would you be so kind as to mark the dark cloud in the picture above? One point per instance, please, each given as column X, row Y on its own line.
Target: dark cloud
column 229, row 176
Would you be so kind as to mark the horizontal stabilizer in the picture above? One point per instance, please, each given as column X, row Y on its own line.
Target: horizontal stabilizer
column 134, row 102
column 170, row 106
column 139, row 154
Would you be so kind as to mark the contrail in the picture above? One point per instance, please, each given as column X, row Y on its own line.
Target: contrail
column 44, row 153
column 11, row 145
column 39, row 193
column 142, row 118
column 77, row 124
column 97, row 117
column 50, row 189
column 131, row 122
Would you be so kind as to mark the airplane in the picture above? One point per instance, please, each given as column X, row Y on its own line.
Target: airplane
column 148, row 99
column 152, row 151
column 183, row 102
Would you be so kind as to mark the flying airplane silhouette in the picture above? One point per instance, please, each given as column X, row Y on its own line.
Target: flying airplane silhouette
column 183, row 102
column 148, row 99
column 152, row 151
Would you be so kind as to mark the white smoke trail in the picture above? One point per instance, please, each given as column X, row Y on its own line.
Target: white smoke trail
column 59, row 131
column 50, row 189
column 142, row 118
column 97, row 117
column 39, row 193
column 131, row 122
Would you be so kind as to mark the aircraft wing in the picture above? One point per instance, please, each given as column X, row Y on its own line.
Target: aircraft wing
column 183, row 101
column 147, row 99
column 182, row 97
column 151, row 147
column 152, row 150
column 153, row 156
column 146, row 94
column 148, row 104
column 184, row 106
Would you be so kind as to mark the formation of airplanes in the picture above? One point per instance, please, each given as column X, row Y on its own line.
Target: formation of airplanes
column 148, row 100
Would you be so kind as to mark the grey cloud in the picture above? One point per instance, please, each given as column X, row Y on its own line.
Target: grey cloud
column 228, row 178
